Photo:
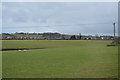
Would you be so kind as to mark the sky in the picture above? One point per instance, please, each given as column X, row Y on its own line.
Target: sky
column 0, row 11
column 60, row 0
column 88, row 18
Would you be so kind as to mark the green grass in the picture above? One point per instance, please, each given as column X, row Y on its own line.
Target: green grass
column 60, row 59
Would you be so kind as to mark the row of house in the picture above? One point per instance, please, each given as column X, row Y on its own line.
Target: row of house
column 56, row 36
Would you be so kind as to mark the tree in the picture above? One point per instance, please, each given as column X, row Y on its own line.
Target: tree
column 73, row 37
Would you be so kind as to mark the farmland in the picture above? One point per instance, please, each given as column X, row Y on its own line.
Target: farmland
column 60, row 59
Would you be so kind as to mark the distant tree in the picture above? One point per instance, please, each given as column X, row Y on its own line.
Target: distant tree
column 21, row 33
column 73, row 37
column 80, row 36
column 89, row 38
column 16, row 32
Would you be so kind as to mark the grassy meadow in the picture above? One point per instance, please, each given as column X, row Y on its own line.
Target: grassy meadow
column 60, row 59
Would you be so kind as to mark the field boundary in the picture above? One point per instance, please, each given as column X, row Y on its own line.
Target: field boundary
column 9, row 49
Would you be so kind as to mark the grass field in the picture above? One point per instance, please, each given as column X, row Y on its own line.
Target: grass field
column 60, row 59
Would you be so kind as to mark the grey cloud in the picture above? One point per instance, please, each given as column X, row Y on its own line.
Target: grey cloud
column 61, row 17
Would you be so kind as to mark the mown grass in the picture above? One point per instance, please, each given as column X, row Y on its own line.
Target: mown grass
column 60, row 59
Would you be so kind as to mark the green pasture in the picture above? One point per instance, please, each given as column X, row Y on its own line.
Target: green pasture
column 60, row 59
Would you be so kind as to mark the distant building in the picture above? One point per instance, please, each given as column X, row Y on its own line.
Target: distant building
column 52, row 36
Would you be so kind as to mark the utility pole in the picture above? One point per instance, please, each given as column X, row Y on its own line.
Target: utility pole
column 114, row 29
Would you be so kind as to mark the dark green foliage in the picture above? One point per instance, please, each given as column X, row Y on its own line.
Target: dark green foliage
column 73, row 37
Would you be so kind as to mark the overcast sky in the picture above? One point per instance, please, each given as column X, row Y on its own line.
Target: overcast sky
column 63, row 17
